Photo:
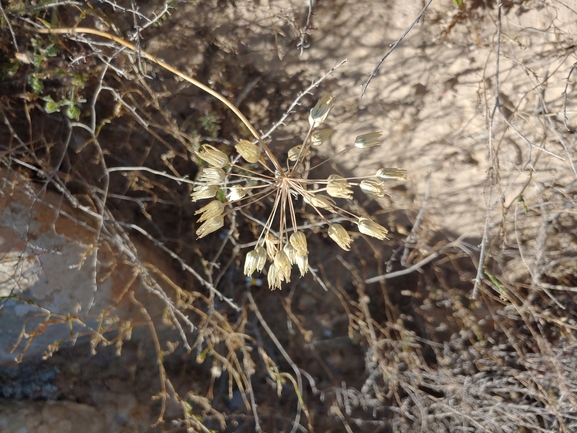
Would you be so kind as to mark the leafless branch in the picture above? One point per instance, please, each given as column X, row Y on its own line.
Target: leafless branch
column 393, row 46
column 306, row 91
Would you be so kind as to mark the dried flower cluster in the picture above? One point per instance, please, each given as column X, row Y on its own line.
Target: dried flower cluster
column 233, row 185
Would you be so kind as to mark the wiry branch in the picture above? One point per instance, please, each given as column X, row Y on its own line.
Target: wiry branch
column 393, row 46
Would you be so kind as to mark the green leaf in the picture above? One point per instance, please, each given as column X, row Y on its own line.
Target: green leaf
column 51, row 51
column 79, row 80
column 220, row 195
column 46, row 23
column 37, row 60
column 51, row 105
column 73, row 112
column 35, row 84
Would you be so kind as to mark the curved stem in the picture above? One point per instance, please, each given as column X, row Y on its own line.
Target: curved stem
column 154, row 59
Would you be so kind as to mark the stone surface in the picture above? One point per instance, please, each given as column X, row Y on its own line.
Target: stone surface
column 59, row 283
column 49, row 270
column 49, row 417
column 60, row 280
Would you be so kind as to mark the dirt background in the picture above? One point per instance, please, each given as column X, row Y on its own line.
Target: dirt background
column 475, row 102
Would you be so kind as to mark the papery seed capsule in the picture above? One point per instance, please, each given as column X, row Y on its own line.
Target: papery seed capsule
column 236, row 192
column 249, row 151
column 211, row 210
column 203, row 191
column 392, row 174
column 371, row 228
column 212, row 175
column 283, row 265
column 209, row 226
column 213, row 156
column 299, row 241
column 255, row 261
column 294, row 152
column 321, row 201
column 290, row 252
column 321, row 110
column 303, row 264
column 373, row 188
column 338, row 234
column 371, row 139
column 271, row 248
column 274, row 279
column 337, row 186
column 250, row 263
column 319, row 137
column 261, row 258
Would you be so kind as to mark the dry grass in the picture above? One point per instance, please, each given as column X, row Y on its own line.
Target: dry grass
column 430, row 331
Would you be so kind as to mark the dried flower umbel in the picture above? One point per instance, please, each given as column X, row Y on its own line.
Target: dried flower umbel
column 258, row 175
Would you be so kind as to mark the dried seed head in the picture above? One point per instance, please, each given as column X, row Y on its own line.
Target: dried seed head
column 274, row 278
column 371, row 228
column 319, row 137
column 213, row 209
column 385, row 174
column 338, row 234
column 303, row 264
column 236, row 192
column 320, row 201
column 337, row 186
column 270, row 243
column 290, row 252
column 249, row 151
column 286, row 250
column 210, row 225
column 283, row 265
column 213, row 156
column 299, row 241
column 371, row 139
column 203, row 191
column 255, row 261
column 321, row 110
column 212, row 175
column 373, row 188
column 294, row 152
column 261, row 258
column 250, row 263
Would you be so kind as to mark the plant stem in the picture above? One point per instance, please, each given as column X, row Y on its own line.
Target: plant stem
column 154, row 59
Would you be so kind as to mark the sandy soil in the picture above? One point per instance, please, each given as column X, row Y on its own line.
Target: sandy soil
column 433, row 96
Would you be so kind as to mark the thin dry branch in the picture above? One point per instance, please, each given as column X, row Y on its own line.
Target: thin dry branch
column 393, row 46
column 485, row 239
